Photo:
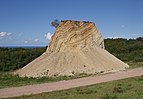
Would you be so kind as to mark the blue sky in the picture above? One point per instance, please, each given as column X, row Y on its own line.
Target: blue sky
column 28, row 22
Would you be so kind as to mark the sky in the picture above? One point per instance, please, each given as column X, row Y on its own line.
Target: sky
column 28, row 22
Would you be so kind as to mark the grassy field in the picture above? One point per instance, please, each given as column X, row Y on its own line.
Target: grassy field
column 9, row 80
column 131, row 88
column 135, row 64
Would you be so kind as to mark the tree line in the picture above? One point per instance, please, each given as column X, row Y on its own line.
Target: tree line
column 126, row 49
column 15, row 58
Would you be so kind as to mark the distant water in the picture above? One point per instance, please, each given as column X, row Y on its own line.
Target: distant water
column 22, row 46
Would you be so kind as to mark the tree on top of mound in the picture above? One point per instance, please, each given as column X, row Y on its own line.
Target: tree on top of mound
column 55, row 23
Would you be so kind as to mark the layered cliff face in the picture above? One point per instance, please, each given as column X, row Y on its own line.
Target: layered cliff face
column 76, row 47
column 75, row 35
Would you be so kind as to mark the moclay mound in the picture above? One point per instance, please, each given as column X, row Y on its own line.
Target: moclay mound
column 76, row 47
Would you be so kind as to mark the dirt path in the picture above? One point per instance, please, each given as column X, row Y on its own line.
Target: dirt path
column 61, row 85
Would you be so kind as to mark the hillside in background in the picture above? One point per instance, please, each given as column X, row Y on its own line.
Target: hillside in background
column 127, row 50
column 15, row 58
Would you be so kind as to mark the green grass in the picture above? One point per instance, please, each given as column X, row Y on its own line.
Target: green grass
column 131, row 88
column 9, row 80
column 135, row 64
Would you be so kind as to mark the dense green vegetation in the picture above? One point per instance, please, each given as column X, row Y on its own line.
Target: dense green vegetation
column 15, row 58
column 126, row 50
column 131, row 88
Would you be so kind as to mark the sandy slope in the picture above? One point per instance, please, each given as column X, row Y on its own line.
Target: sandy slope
column 74, row 62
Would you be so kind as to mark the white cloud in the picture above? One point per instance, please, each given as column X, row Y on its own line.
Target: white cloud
column 20, row 34
column 31, row 41
column 25, row 41
column 127, row 36
column 36, row 40
column 48, row 36
column 122, row 26
column 3, row 34
column 115, row 37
